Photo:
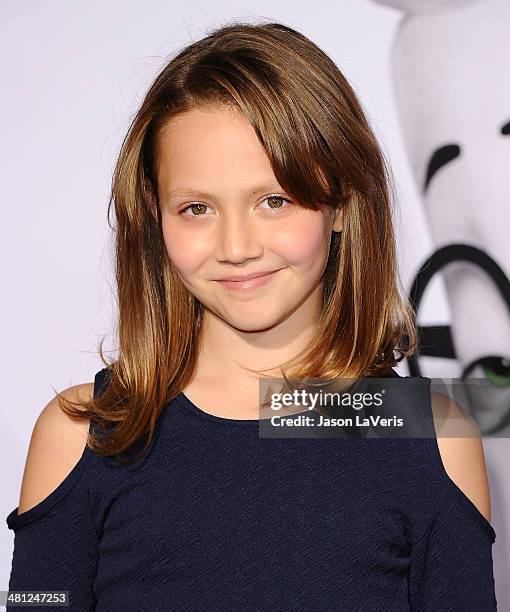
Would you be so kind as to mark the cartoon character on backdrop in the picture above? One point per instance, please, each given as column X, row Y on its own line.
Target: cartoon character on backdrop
column 451, row 80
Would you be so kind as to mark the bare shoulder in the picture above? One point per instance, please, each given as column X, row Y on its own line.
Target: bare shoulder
column 461, row 449
column 56, row 445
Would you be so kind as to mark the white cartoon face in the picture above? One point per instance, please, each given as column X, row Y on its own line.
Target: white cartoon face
column 452, row 90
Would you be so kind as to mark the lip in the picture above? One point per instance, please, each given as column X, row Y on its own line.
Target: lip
column 246, row 277
column 250, row 281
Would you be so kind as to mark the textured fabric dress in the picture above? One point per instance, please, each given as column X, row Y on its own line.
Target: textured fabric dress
column 217, row 518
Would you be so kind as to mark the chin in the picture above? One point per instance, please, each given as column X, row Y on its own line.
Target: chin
column 256, row 323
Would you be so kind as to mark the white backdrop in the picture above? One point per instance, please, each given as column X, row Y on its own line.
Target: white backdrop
column 72, row 76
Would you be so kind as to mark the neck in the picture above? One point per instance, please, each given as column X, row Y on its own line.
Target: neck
column 225, row 350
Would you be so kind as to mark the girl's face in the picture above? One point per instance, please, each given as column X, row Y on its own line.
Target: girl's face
column 224, row 214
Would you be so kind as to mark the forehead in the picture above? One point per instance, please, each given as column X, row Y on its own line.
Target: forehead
column 198, row 134
column 214, row 146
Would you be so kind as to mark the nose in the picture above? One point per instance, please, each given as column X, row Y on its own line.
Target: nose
column 239, row 238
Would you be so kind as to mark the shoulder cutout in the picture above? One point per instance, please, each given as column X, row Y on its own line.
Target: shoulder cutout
column 57, row 444
column 462, row 456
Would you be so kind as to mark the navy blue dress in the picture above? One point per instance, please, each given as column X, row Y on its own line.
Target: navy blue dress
column 217, row 518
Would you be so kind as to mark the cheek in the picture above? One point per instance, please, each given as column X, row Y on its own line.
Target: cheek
column 187, row 253
column 303, row 242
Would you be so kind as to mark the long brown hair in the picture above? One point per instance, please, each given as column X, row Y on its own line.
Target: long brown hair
column 322, row 152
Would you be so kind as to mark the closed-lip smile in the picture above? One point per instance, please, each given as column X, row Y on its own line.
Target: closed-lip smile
column 246, row 277
column 247, row 282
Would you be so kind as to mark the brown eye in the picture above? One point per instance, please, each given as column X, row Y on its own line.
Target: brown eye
column 202, row 208
column 277, row 202
column 275, row 199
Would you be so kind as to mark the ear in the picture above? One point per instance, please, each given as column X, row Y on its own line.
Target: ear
column 338, row 219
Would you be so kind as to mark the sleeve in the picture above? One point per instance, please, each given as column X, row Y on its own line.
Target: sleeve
column 451, row 563
column 55, row 542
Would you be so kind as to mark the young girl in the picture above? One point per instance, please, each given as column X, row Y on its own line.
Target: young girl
column 254, row 239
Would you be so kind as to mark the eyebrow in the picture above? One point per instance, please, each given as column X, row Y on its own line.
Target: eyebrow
column 190, row 192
